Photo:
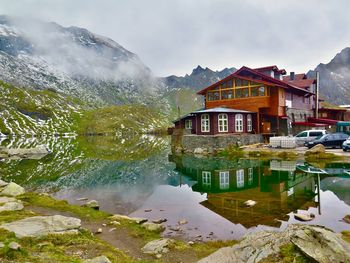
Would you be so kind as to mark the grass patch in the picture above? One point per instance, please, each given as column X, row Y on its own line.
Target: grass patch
column 346, row 236
column 59, row 248
column 62, row 205
column 9, row 216
column 232, row 152
column 287, row 155
column 262, row 153
column 288, row 254
column 321, row 156
column 201, row 250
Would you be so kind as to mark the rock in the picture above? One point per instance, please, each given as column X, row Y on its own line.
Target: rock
column 14, row 246
column 32, row 153
column 303, row 217
column 137, row 220
column 92, row 204
column 112, row 229
column 159, row 246
column 43, row 225
column 346, row 219
column 183, row 222
column 2, row 245
column 82, row 199
column 115, row 223
column 159, row 221
column 11, row 206
column 250, row 203
column 317, row 149
column 99, row 231
column 3, row 183
column 179, row 150
column 104, row 224
column 190, row 243
column 100, row 259
column 318, row 243
column 12, row 189
column 148, row 210
column 153, row 227
column 199, row 151
column 175, row 228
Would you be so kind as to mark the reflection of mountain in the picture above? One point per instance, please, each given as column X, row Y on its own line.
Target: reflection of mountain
column 339, row 186
column 276, row 186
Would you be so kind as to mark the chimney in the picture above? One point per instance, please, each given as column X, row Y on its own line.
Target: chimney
column 292, row 75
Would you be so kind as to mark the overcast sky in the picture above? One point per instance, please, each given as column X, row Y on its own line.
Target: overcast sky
column 174, row 36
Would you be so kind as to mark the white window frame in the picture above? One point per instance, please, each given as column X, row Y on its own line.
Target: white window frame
column 205, row 123
column 240, row 178
column 188, row 124
column 224, row 180
column 223, row 122
column 239, row 122
column 206, row 178
column 249, row 123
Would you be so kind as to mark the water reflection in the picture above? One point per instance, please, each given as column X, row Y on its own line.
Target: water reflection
column 131, row 175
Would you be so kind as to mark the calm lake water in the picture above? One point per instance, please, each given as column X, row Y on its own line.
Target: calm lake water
column 134, row 175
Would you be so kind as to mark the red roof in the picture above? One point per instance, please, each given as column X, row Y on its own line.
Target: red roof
column 300, row 80
column 274, row 68
column 265, row 80
column 296, row 77
column 324, row 121
column 309, row 124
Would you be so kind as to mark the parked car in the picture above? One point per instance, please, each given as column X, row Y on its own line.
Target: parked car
column 307, row 136
column 329, row 140
column 346, row 145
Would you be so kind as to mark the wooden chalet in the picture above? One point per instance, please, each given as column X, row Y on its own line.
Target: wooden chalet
column 260, row 100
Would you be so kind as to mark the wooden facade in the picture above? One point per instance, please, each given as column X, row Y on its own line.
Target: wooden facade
column 272, row 101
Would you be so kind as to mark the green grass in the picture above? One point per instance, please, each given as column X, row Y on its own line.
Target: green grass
column 232, row 152
column 346, row 236
column 9, row 216
column 59, row 248
column 62, row 205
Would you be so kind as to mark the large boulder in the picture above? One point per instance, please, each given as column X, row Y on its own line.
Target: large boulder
column 159, row 246
column 11, row 206
column 43, row 225
column 153, row 227
column 137, row 220
column 318, row 243
column 31, row 153
column 317, row 149
column 12, row 189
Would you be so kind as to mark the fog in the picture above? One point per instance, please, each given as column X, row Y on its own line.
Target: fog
column 172, row 37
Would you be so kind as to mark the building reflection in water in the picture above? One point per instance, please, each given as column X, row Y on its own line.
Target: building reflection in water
column 278, row 187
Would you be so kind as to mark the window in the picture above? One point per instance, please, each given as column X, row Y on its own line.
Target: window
column 226, row 94
column 315, row 133
column 242, row 93
column 206, row 178
column 239, row 123
column 249, row 123
column 245, row 82
column 213, row 95
column 302, row 134
column 240, row 178
column 205, row 125
column 224, row 180
column 250, row 176
column 238, row 82
column 188, row 124
column 223, row 122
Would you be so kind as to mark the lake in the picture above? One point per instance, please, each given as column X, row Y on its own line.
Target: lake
column 139, row 176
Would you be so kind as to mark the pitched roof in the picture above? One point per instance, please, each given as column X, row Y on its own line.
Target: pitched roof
column 265, row 80
column 221, row 109
column 274, row 68
column 300, row 80
column 296, row 77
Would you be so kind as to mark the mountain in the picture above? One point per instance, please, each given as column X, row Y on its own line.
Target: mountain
column 335, row 78
column 71, row 60
column 199, row 78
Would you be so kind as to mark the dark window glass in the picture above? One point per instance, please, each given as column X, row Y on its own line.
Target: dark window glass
column 229, row 84
column 238, row 82
column 245, row 82
column 315, row 134
column 242, row 93
column 227, row 94
column 213, row 95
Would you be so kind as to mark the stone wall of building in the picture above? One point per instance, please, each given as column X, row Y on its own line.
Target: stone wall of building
column 299, row 115
column 214, row 142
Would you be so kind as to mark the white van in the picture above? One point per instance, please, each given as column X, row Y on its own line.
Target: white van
column 307, row 136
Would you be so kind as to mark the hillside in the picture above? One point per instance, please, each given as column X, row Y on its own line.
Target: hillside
column 31, row 112
column 335, row 78
column 71, row 60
